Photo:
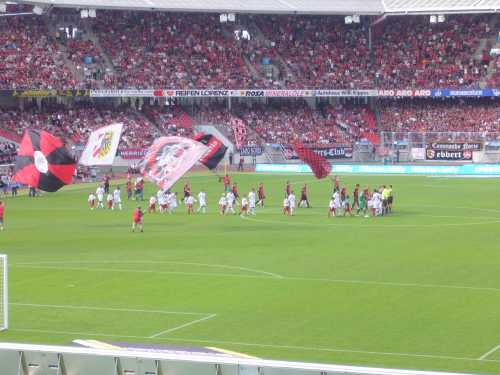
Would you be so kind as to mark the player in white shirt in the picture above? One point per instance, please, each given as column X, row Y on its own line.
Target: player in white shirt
column 152, row 204
column 117, row 198
column 159, row 193
column 202, row 202
column 230, row 202
column 172, row 202
column 161, row 196
column 222, row 204
column 189, row 201
column 336, row 201
column 377, row 203
column 91, row 201
column 109, row 200
column 100, row 196
column 251, row 202
column 244, row 206
column 291, row 201
column 332, row 209
column 286, row 206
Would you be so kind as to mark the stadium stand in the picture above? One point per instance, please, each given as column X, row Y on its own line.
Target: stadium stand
column 163, row 50
column 171, row 120
column 77, row 122
column 30, row 56
column 150, row 50
column 473, row 115
column 320, row 51
column 412, row 53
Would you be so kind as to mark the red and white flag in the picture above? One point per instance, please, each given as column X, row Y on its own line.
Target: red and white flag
column 169, row 158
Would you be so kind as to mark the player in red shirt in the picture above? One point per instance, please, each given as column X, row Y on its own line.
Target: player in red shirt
column 343, row 194
column 187, row 191
column 261, row 195
column 2, row 211
column 227, row 181
column 355, row 199
column 137, row 219
column 139, row 189
column 234, row 189
column 129, row 188
column 304, row 197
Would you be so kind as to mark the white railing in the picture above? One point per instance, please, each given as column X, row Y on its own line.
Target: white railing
column 23, row 359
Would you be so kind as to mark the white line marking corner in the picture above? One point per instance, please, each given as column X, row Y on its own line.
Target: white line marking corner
column 489, row 352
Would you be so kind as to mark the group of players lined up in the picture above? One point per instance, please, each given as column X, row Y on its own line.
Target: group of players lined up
column 376, row 203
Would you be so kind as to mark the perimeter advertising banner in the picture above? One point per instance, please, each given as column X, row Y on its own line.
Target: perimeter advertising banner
column 451, row 150
column 255, row 93
column 251, row 151
column 328, row 152
column 132, row 153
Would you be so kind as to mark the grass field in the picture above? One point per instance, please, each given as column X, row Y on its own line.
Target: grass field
column 419, row 289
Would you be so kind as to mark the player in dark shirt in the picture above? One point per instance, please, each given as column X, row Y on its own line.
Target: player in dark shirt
column 355, row 199
column 261, row 195
column 304, row 200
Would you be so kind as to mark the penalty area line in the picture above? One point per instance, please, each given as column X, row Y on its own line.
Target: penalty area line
column 489, row 352
column 182, row 326
column 97, row 308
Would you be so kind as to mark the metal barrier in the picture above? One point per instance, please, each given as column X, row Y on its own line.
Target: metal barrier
column 24, row 359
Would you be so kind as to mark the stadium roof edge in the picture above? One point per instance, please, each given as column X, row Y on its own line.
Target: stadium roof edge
column 341, row 7
column 317, row 7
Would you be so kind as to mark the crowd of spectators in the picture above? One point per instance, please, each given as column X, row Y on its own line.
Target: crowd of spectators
column 165, row 50
column 151, row 50
column 170, row 119
column 282, row 123
column 412, row 53
column 320, row 51
column 75, row 123
column 30, row 57
column 475, row 115
column 7, row 152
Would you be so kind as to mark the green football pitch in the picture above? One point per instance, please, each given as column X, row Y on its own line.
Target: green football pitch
column 419, row 289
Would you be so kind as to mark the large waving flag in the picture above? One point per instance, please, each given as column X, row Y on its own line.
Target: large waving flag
column 216, row 150
column 169, row 158
column 102, row 145
column 319, row 165
column 43, row 162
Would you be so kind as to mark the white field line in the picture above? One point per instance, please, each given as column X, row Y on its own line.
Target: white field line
column 376, row 227
column 71, row 333
column 489, row 352
column 210, row 265
column 258, row 345
column 149, row 272
column 283, row 278
column 96, row 308
column 182, row 326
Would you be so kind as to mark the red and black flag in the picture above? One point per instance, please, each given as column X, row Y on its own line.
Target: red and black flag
column 43, row 162
column 319, row 165
column 216, row 150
